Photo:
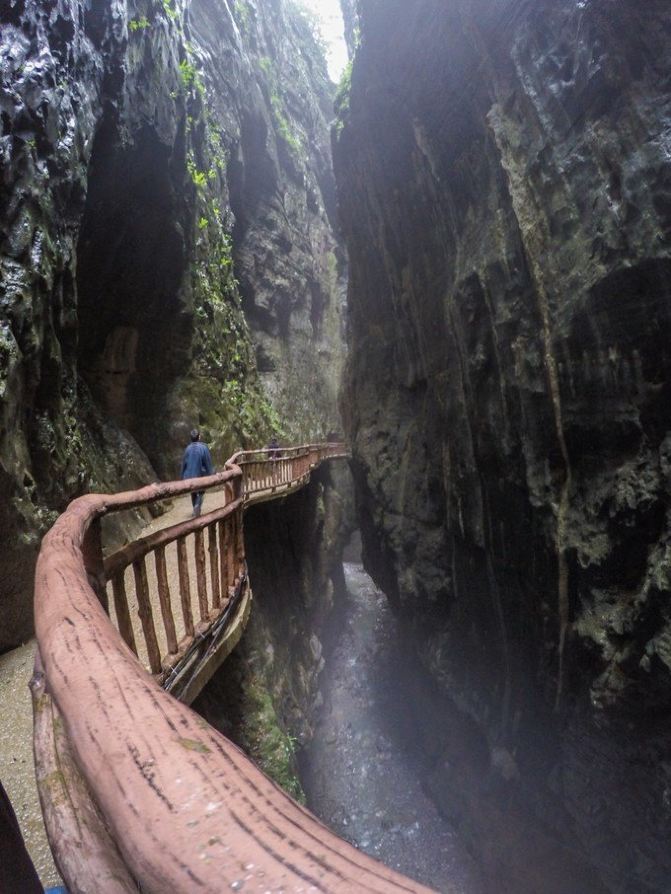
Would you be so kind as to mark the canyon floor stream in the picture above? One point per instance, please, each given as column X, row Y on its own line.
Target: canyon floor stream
column 360, row 774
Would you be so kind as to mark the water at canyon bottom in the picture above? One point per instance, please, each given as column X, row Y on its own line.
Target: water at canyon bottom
column 360, row 774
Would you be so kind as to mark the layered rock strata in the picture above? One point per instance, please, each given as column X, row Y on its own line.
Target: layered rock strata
column 168, row 255
column 504, row 171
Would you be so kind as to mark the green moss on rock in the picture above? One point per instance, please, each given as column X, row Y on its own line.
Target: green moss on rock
column 266, row 741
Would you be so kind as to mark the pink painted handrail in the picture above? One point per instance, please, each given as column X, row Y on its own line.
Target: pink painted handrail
column 173, row 805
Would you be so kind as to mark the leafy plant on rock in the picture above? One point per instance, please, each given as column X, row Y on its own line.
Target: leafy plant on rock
column 138, row 24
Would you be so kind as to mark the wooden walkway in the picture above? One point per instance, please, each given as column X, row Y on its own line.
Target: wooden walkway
column 137, row 791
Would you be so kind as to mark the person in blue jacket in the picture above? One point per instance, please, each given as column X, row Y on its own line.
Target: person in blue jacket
column 197, row 463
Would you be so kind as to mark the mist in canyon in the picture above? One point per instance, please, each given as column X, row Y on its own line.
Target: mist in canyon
column 459, row 256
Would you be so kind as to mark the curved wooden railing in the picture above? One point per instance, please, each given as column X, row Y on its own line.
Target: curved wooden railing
column 138, row 792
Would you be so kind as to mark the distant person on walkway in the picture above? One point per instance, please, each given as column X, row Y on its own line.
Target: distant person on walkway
column 197, row 463
column 274, row 448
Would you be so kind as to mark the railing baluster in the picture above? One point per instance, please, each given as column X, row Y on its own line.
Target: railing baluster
column 146, row 615
column 184, row 585
column 240, row 544
column 122, row 613
column 164, row 598
column 92, row 554
column 223, row 569
column 233, row 534
column 201, row 580
column 230, row 550
column 214, row 565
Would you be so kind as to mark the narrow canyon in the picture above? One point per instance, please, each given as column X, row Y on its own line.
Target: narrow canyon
column 438, row 231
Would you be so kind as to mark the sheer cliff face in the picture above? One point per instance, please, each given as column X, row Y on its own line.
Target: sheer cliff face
column 351, row 21
column 504, row 177
column 166, row 249
column 266, row 696
column 272, row 93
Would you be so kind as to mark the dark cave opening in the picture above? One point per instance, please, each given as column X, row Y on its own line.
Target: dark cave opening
column 135, row 326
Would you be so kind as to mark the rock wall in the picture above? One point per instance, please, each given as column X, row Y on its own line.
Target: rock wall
column 503, row 173
column 265, row 696
column 282, row 195
column 351, row 21
column 167, row 250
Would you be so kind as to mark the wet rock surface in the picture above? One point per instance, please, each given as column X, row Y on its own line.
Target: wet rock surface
column 351, row 21
column 266, row 695
column 361, row 773
column 503, row 172
column 167, row 252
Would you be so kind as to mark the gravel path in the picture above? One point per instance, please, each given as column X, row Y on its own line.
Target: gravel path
column 17, row 769
column 359, row 776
